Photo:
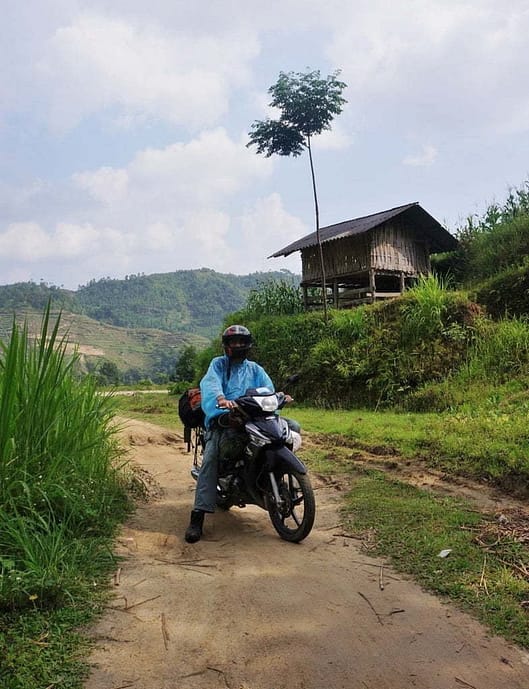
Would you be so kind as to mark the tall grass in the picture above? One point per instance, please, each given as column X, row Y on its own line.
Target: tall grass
column 424, row 308
column 502, row 352
column 60, row 489
column 278, row 297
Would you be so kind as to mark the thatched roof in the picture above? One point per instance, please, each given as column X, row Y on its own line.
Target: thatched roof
column 412, row 215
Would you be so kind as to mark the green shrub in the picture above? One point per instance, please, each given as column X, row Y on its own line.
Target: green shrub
column 507, row 293
column 273, row 298
column 496, row 240
column 501, row 352
column 501, row 248
column 59, row 485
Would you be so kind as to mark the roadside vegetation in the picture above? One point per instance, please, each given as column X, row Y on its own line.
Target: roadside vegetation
column 62, row 494
column 452, row 550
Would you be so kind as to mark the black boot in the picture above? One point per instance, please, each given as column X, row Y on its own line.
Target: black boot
column 194, row 530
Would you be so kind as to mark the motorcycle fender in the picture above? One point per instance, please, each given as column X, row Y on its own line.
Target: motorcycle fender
column 284, row 456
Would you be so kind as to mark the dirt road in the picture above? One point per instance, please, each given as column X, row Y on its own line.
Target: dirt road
column 243, row 609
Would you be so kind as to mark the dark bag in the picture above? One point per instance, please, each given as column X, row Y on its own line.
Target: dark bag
column 189, row 409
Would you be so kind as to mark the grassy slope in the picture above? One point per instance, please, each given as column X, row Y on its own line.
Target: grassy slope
column 126, row 347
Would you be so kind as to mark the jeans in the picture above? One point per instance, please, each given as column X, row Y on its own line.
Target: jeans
column 206, row 490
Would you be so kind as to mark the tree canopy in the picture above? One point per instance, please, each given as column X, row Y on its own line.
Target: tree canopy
column 307, row 103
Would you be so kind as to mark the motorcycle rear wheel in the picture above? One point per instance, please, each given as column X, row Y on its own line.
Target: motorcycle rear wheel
column 294, row 519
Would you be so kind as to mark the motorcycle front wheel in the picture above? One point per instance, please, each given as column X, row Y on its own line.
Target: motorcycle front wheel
column 293, row 518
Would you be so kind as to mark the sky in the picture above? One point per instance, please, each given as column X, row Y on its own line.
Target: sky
column 124, row 124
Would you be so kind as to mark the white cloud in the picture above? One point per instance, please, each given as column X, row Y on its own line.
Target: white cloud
column 452, row 65
column 106, row 184
column 201, row 233
column 426, row 156
column 222, row 241
column 28, row 241
column 335, row 139
column 268, row 227
column 164, row 184
column 201, row 170
column 24, row 241
column 167, row 209
column 98, row 62
column 160, row 237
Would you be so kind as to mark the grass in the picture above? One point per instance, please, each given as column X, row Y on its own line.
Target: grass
column 402, row 431
column 491, row 442
column 154, row 407
column 62, row 495
column 412, row 527
column 47, row 647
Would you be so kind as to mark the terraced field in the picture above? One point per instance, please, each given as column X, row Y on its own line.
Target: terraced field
column 126, row 347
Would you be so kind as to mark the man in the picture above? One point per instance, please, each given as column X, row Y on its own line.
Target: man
column 227, row 378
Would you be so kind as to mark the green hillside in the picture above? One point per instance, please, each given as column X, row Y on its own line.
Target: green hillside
column 137, row 352
column 192, row 301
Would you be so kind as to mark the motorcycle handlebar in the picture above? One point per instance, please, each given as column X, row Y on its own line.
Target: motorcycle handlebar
column 282, row 399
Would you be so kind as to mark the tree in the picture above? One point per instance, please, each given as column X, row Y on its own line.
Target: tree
column 185, row 368
column 308, row 104
column 108, row 373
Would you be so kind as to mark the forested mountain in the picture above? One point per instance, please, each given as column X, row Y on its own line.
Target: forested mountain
column 127, row 330
column 192, row 301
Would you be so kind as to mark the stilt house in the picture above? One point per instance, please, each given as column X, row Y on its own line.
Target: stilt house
column 370, row 258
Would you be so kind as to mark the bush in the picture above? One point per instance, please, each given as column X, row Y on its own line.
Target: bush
column 273, row 298
column 507, row 293
column 60, row 490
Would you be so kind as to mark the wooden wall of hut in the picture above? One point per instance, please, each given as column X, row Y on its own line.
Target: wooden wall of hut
column 396, row 248
column 386, row 248
column 342, row 257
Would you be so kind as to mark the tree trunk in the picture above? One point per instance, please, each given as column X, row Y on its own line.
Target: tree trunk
column 318, row 239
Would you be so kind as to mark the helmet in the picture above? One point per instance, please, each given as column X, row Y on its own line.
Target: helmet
column 237, row 341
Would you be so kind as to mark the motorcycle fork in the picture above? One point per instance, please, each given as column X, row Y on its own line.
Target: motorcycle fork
column 275, row 489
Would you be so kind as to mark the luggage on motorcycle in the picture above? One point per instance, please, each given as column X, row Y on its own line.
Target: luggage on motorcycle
column 232, row 444
column 189, row 409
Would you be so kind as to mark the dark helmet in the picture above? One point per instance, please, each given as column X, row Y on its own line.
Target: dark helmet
column 237, row 341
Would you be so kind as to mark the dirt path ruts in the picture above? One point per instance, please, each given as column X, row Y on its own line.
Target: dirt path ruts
column 243, row 609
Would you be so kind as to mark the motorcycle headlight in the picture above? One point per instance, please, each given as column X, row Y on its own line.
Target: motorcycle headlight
column 268, row 403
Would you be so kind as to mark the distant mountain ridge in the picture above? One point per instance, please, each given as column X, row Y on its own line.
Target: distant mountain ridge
column 185, row 301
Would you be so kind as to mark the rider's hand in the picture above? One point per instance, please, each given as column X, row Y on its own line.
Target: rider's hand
column 223, row 403
column 288, row 399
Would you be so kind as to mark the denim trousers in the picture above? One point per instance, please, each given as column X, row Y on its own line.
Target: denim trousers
column 206, row 489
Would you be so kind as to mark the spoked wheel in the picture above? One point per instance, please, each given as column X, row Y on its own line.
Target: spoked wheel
column 293, row 517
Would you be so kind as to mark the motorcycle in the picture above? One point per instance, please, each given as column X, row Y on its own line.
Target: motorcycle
column 258, row 464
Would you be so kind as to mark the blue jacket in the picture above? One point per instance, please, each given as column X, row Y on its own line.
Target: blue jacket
column 242, row 375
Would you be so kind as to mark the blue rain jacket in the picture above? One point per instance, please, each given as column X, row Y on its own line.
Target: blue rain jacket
column 242, row 375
